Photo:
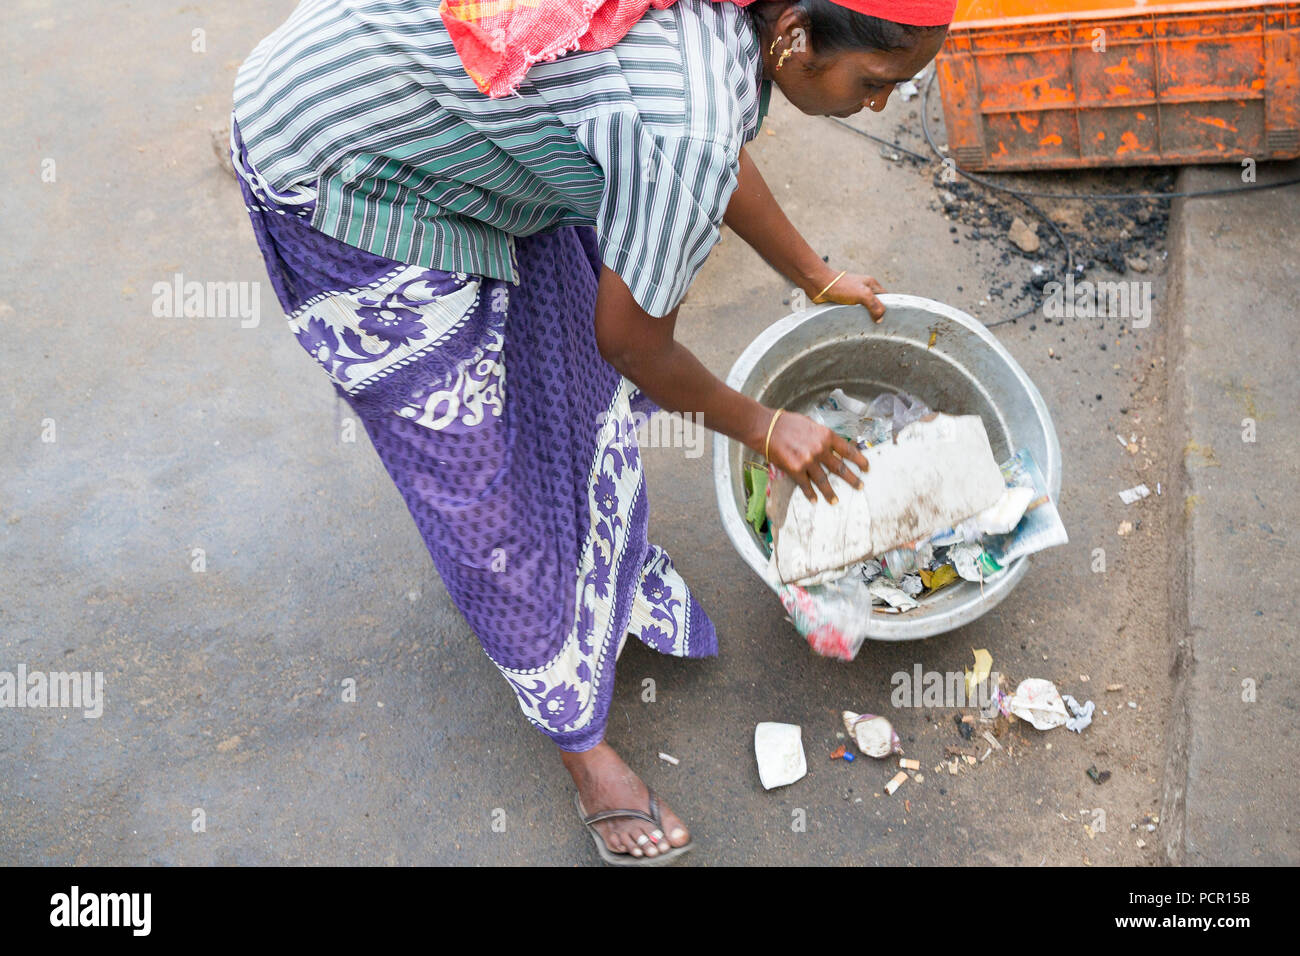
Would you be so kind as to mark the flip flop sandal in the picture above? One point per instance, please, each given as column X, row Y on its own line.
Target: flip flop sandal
column 627, row 859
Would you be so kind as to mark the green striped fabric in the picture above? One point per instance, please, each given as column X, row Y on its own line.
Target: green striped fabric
column 364, row 104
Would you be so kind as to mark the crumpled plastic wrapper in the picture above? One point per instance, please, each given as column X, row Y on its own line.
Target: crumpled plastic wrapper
column 875, row 736
column 1082, row 713
column 999, row 703
column 894, row 597
column 1038, row 702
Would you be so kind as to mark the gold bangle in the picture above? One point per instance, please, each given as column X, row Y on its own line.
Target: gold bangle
column 771, row 425
column 818, row 297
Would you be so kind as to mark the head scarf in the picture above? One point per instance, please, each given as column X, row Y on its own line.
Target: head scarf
column 916, row 13
column 498, row 40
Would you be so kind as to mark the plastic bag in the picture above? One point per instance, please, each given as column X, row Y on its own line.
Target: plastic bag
column 842, row 414
column 898, row 409
column 872, row 422
column 831, row 617
column 903, row 561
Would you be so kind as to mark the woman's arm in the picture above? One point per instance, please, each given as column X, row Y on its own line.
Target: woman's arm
column 641, row 347
column 753, row 214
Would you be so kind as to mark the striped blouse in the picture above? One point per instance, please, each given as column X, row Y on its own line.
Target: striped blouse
column 364, row 105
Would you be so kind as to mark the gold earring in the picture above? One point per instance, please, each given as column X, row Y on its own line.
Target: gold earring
column 772, row 48
column 781, row 62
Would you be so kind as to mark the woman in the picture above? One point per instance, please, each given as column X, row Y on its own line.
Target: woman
column 492, row 284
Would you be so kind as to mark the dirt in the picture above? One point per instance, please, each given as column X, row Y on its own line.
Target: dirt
column 1106, row 238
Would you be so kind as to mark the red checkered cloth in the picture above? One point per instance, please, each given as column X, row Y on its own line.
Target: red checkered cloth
column 498, row 40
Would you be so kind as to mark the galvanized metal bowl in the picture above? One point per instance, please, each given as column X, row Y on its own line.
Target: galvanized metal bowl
column 795, row 362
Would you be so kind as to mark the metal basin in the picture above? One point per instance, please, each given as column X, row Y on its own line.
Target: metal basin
column 795, row 362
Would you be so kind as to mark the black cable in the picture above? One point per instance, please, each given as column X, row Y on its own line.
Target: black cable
column 1012, row 318
column 883, row 142
column 926, row 159
column 925, row 127
column 1225, row 191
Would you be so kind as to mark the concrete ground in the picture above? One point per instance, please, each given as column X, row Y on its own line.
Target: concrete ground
column 1231, row 775
column 223, row 686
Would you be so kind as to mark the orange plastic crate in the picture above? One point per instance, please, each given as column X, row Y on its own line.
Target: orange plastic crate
column 1101, row 83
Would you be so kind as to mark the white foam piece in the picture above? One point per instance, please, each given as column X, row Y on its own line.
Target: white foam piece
column 779, row 749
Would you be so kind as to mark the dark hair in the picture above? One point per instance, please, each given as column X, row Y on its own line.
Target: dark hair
column 835, row 29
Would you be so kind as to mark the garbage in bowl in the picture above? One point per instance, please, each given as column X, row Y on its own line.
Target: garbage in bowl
column 927, row 349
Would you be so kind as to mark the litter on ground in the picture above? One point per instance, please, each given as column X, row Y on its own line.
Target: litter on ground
column 875, row 736
column 1038, row 702
column 1082, row 714
column 779, row 750
column 1136, row 493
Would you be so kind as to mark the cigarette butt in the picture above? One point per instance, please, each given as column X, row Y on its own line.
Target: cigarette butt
column 907, row 764
column 899, row 779
column 993, row 740
column 670, row 758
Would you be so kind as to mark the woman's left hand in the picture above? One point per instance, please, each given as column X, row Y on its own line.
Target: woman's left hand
column 854, row 289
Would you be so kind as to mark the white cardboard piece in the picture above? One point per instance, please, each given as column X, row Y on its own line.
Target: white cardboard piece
column 934, row 475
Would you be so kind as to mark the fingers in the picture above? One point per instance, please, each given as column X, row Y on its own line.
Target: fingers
column 860, row 289
column 801, row 479
column 810, row 453
column 823, row 483
column 847, row 449
column 836, row 465
column 874, row 305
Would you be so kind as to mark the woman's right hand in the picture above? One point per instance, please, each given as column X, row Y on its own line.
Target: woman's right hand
column 807, row 452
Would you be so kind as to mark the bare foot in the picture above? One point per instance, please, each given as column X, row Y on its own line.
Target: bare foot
column 605, row 782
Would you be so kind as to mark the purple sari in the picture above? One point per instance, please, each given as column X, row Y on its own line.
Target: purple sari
column 528, row 488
